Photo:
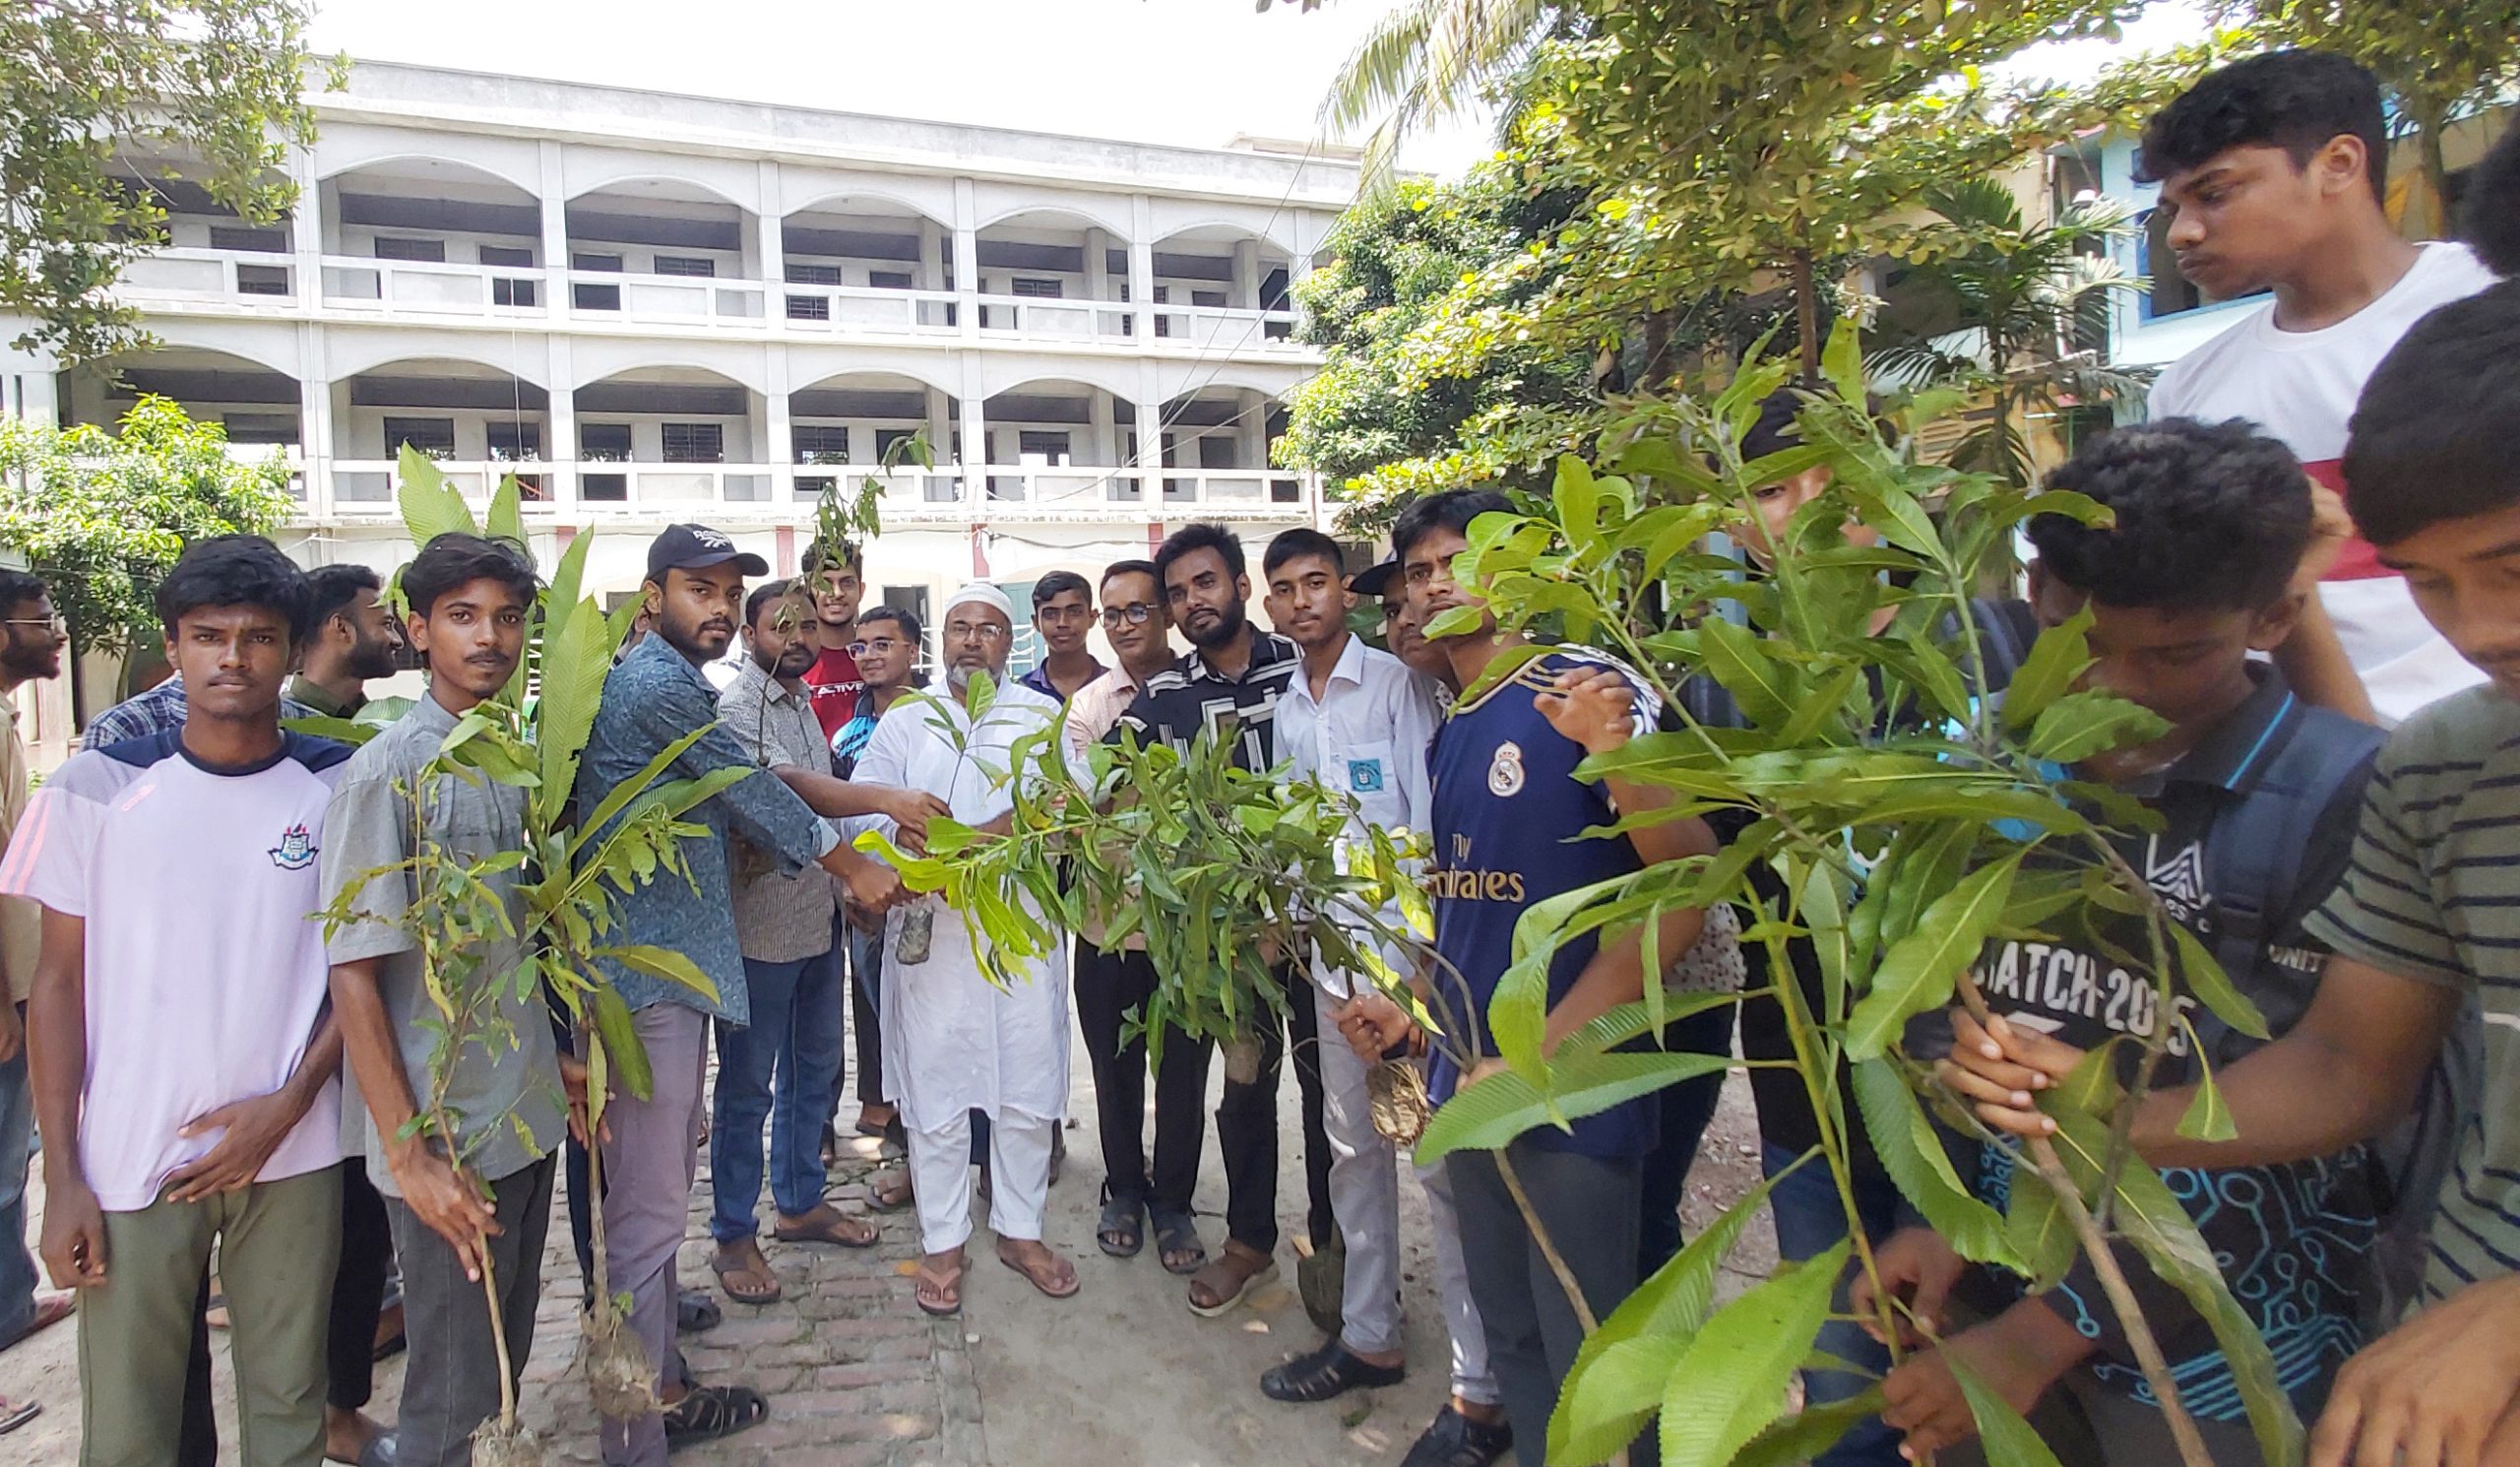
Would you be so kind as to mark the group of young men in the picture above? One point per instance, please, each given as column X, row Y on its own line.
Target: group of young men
column 178, row 1021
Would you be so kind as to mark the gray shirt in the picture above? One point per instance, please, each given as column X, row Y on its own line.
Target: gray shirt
column 780, row 916
column 504, row 1095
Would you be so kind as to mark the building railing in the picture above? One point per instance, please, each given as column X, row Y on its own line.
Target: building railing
column 362, row 287
column 591, row 490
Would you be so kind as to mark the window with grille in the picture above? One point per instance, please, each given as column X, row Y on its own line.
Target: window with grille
column 505, row 291
column 902, row 279
column 699, row 267
column 1033, row 289
column 1052, row 446
column 261, row 280
column 397, row 248
column 514, row 441
column 808, row 307
column 261, row 430
column 801, row 273
column 885, row 438
column 695, row 442
column 1163, row 324
column 818, row 443
column 249, row 242
column 603, row 442
column 433, row 436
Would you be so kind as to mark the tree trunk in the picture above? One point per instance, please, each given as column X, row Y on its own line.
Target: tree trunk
column 2436, row 173
column 1807, row 315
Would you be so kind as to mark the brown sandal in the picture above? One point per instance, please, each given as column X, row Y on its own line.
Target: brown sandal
column 1237, row 1271
column 829, row 1225
column 941, row 1296
column 728, row 1269
column 890, row 1191
column 1057, row 1278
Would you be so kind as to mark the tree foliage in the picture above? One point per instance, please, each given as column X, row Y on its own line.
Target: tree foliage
column 82, row 82
column 102, row 516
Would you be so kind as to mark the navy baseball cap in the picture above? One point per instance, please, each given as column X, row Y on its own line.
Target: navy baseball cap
column 697, row 547
column 1375, row 580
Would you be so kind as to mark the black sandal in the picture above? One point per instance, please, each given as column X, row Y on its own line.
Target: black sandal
column 1122, row 1231
column 1331, row 1370
column 713, row 1412
column 1179, row 1233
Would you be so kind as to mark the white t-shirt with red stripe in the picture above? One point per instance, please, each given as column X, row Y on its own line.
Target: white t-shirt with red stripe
column 2301, row 387
column 205, row 965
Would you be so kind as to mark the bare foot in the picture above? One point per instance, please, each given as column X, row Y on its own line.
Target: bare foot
column 348, row 1434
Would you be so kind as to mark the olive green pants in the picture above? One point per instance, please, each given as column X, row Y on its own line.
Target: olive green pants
column 278, row 1243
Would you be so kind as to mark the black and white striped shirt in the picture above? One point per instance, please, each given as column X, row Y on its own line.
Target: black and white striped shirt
column 1189, row 698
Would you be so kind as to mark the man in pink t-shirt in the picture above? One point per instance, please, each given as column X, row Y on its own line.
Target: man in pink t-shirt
column 184, row 1058
column 2273, row 170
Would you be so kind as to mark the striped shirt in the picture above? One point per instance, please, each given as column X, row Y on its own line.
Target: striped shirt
column 1189, row 699
column 2433, row 892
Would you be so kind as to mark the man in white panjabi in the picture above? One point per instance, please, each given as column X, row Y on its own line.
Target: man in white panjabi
column 953, row 1042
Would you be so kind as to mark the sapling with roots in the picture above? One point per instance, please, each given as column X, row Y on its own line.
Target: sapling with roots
column 1906, row 818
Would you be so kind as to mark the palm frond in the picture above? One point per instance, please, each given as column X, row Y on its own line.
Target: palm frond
column 1382, row 71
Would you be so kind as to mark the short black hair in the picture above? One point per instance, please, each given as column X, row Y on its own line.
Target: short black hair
column 2296, row 100
column 330, row 589
column 850, row 554
column 1295, row 543
column 1059, row 583
column 1778, row 425
column 2489, row 216
column 2209, row 516
column 1450, row 509
column 1144, row 569
column 17, row 588
column 457, row 559
column 906, row 619
column 1202, row 535
column 762, row 596
column 235, row 570
column 2431, row 439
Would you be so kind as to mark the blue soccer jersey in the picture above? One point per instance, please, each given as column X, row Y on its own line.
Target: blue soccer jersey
column 1509, row 817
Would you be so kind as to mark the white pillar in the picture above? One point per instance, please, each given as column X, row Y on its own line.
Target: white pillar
column 555, row 239
column 1251, row 425
column 770, row 234
column 1098, row 268
column 1103, row 436
column 779, row 451
column 940, row 424
column 967, row 263
column 975, row 454
column 1141, row 264
column 306, row 230
column 315, row 421
column 932, row 254
column 1246, row 274
column 560, row 444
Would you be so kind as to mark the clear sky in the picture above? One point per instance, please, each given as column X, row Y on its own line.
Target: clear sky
column 1190, row 71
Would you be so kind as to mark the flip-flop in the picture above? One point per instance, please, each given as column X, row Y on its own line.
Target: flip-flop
column 726, row 1275
column 923, row 1284
column 1068, row 1288
column 826, row 1229
column 14, row 1417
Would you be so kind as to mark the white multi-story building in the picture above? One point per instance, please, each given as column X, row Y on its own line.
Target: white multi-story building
column 656, row 308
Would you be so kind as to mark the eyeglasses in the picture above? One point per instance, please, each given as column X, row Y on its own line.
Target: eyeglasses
column 53, row 623
column 1135, row 614
column 885, row 645
column 980, row 631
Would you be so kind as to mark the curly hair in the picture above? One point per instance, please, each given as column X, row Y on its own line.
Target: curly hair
column 2209, row 516
column 2296, row 100
column 2431, row 439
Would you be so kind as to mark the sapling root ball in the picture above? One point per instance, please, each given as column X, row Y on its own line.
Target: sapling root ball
column 496, row 1445
column 619, row 1376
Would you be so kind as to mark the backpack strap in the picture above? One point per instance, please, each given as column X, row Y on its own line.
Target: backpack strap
column 2257, row 846
column 2006, row 628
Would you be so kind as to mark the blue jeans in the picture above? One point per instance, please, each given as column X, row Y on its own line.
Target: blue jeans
column 795, row 1038
column 17, row 1132
column 1809, row 1221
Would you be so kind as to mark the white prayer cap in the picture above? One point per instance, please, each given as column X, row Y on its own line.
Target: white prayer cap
column 980, row 593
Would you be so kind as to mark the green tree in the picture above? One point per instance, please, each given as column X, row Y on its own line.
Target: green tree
column 1380, row 418
column 219, row 81
column 1426, row 60
column 102, row 516
column 2437, row 62
column 2019, row 315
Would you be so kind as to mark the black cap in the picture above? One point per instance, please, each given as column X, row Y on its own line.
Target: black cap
column 696, row 547
column 1374, row 579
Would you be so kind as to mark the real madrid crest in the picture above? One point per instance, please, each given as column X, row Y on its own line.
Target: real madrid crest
column 1505, row 775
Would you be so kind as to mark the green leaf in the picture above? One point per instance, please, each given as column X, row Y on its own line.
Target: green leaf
column 1841, row 361
column 1496, row 1110
column 1729, row 1383
column 1737, row 661
column 1624, row 1369
column 1578, row 502
column 2080, row 725
column 324, row 726
column 2047, row 673
column 2204, row 977
column 430, row 507
column 505, row 518
column 663, row 963
column 2206, row 1117
column 1920, row 969
column 2039, row 1233
column 1801, row 1438
column 1912, row 1151
column 622, row 1051
column 2007, row 1440
column 575, row 663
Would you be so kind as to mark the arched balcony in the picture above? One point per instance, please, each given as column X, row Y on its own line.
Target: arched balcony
column 478, row 422
column 430, row 237
column 866, row 263
column 257, row 406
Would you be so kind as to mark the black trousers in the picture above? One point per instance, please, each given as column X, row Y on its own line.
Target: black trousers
column 1247, row 1130
column 1108, row 986
column 350, row 1352
column 1687, row 1109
